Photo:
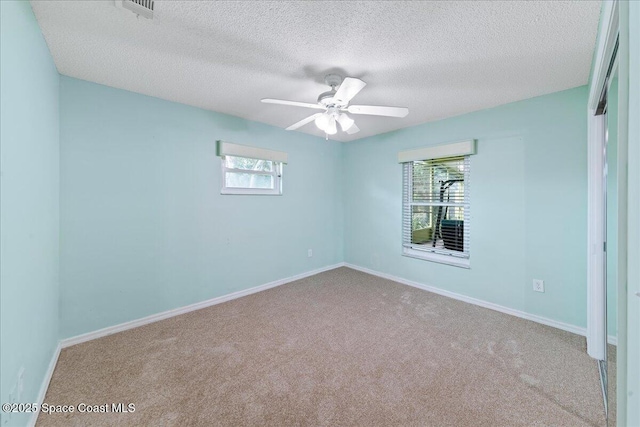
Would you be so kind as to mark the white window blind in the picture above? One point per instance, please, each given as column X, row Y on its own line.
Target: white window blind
column 436, row 216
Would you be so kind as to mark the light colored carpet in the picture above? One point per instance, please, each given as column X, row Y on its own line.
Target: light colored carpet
column 338, row 348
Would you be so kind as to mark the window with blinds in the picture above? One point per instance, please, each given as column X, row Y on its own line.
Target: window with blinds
column 436, row 210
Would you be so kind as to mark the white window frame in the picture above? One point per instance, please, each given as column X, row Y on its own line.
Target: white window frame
column 277, row 158
column 463, row 149
column 596, row 203
column 276, row 173
column 453, row 258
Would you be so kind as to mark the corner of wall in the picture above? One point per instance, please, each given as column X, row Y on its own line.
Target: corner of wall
column 30, row 163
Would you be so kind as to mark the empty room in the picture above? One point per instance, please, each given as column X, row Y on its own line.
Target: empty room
column 320, row 213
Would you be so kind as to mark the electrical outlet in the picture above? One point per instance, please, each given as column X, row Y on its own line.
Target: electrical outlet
column 309, row 253
column 538, row 285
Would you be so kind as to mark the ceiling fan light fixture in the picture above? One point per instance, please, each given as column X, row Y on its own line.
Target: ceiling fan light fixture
column 322, row 121
column 345, row 122
column 331, row 128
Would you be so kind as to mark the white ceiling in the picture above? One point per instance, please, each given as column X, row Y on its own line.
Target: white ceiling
column 440, row 59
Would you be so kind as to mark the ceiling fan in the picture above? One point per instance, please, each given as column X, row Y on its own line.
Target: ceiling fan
column 335, row 104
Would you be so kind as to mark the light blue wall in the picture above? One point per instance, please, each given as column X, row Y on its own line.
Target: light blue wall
column 29, row 152
column 630, row 27
column 529, row 198
column 144, row 227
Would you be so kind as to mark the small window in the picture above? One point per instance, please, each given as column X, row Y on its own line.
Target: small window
column 436, row 210
column 242, row 175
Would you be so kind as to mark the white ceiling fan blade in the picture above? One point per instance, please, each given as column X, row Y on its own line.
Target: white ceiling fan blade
column 378, row 110
column 353, row 129
column 304, row 121
column 292, row 103
column 348, row 89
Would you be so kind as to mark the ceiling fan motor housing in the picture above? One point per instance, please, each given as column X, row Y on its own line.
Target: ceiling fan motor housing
column 327, row 98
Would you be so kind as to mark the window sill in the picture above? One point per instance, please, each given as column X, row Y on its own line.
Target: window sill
column 250, row 192
column 439, row 258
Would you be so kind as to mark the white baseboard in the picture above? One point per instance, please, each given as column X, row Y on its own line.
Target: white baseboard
column 67, row 342
column 218, row 300
column 522, row 314
column 45, row 384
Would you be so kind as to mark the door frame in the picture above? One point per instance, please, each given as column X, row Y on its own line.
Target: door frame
column 596, row 208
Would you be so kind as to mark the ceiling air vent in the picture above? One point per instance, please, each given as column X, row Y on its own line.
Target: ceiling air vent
column 142, row 8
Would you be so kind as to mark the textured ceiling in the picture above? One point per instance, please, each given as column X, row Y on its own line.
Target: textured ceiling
column 440, row 59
